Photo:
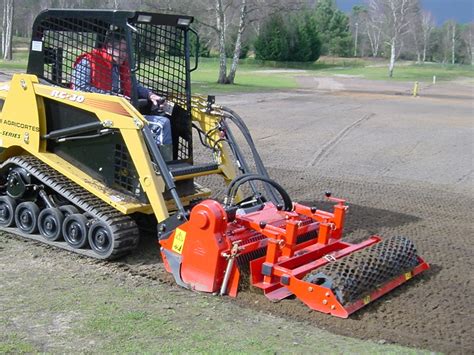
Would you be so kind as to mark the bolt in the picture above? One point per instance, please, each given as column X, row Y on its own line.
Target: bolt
column 325, row 301
column 328, row 294
column 333, row 307
column 310, row 289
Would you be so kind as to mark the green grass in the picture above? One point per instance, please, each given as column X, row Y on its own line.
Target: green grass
column 87, row 307
column 250, row 77
column 254, row 75
column 405, row 72
column 20, row 61
column 257, row 76
column 12, row 343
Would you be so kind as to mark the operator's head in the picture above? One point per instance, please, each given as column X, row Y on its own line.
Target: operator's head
column 116, row 46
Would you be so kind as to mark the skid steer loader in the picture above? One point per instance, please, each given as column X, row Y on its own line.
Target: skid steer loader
column 81, row 171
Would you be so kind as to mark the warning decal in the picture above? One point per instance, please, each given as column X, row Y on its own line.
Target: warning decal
column 178, row 241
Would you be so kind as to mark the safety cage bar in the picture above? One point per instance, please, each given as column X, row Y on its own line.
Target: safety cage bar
column 157, row 57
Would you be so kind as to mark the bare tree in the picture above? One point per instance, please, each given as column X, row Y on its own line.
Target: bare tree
column 448, row 41
column 392, row 18
column 238, row 42
column 357, row 26
column 221, row 27
column 427, row 26
column 453, row 42
column 468, row 37
column 417, row 34
column 249, row 11
column 7, row 29
column 374, row 33
column 224, row 18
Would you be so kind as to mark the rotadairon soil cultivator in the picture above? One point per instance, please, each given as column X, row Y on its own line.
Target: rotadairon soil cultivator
column 81, row 171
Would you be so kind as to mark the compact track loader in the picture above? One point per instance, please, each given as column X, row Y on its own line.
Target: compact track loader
column 81, row 171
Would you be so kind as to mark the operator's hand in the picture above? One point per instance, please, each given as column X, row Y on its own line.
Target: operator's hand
column 156, row 99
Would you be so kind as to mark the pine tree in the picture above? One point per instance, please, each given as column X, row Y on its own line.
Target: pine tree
column 333, row 27
column 273, row 41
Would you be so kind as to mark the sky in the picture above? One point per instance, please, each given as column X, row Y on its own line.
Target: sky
column 462, row 11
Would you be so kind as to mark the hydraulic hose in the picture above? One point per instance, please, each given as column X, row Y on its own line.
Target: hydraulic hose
column 239, row 122
column 243, row 166
column 288, row 204
column 229, row 189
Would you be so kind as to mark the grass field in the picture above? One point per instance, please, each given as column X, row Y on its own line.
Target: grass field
column 75, row 306
column 253, row 76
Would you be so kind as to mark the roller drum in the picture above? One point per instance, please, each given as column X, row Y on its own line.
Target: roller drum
column 353, row 276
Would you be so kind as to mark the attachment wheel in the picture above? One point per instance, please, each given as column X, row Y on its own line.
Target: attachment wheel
column 26, row 217
column 75, row 230
column 7, row 211
column 50, row 222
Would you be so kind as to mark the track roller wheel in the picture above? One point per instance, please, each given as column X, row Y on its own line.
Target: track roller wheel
column 101, row 238
column 75, row 230
column 50, row 222
column 26, row 217
column 68, row 210
column 7, row 211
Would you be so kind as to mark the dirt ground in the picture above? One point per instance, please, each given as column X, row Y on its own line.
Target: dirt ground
column 405, row 165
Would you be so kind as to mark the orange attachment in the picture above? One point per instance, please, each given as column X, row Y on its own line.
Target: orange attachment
column 277, row 248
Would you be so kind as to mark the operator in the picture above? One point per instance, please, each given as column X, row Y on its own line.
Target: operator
column 106, row 70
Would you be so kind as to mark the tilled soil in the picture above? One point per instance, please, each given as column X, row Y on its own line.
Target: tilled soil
column 431, row 311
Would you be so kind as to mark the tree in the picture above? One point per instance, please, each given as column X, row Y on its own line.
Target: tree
column 448, row 45
column 358, row 24
column 416, row 32
column 306, row 45
column 333, row 28
column 7, row 29
column 374, row 33
column 247, row 8
column 293, row 39
column 273, row 41
column 222, row 19
column 452, row 38
column 427, row 26
column 467, row 35
column 392, row 18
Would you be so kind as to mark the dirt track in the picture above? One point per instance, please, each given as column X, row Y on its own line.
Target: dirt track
column 405, row 165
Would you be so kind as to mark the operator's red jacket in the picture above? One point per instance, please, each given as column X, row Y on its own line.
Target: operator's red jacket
column 101, row 71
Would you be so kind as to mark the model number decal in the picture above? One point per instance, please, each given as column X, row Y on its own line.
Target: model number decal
column 65, row 95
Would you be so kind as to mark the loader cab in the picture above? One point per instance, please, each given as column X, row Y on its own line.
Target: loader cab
column 157, row 57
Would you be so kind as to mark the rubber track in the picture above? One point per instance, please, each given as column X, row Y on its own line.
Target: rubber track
column 123, row 227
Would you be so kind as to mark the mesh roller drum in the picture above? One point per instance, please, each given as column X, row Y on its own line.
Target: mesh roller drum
column 355, row 275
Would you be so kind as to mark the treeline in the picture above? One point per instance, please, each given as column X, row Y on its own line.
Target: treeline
column 285, row 30
column 368, row 31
